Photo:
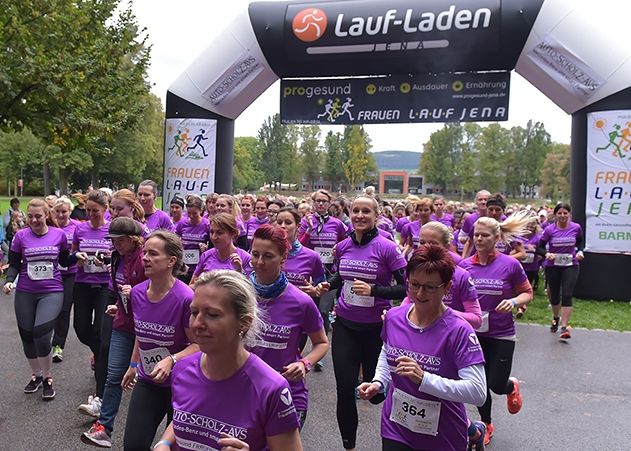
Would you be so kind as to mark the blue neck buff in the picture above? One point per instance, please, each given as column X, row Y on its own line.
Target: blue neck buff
column 270, row 291
column 295, row 248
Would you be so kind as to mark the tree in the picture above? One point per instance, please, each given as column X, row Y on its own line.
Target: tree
column 278, row 151
column 311, row 153
column 493, row 145
column 555, row 175
column 441, row 155
column 538, row 145
column 73, row 72
column 467, row 168
column 245, row 175
column 333, row 167
column 358, row 162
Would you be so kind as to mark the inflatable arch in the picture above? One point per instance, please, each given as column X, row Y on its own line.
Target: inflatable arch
column 576, row 53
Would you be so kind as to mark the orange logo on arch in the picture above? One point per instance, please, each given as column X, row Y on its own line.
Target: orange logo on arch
column 309, row 24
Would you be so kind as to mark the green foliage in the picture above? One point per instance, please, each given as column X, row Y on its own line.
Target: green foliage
column 555, row 176
column 278, row 151
column 441, row 154
column 358, row 158
column 333, row 169
column 311, row 153
column 245, row 175
column 74, row 73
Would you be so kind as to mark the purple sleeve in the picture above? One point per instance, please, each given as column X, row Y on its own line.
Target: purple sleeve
column 395, row 258
column 277, row 421
column 518, row 275
column 405, row 232
column 186, row 312
column 317, row 270
column 75, row 238
column 467, row 226
column 200, row 264
column 246, row 260
column 64, row 242
column 341, row 231
column 467, row 350
column 303, row 226
column 178, row 228
column 313, row 320
column 16, row 243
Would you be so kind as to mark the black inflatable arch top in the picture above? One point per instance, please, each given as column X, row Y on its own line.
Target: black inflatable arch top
column 560, row 46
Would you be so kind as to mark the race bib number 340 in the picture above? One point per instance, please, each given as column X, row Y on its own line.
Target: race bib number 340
column 417, row 415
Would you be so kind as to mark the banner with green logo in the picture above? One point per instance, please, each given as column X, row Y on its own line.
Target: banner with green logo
column 470, row 97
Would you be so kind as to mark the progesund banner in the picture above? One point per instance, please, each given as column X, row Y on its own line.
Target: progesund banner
column 608, row 203
column 469, row 97
column 189, row 157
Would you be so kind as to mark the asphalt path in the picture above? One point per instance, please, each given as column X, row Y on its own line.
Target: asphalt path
column 577, row 395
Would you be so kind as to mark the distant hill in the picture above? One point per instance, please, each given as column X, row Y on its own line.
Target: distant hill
column 397, row 160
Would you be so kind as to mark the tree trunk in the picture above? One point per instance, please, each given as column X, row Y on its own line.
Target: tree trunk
column 46, row 173
column 63, row 181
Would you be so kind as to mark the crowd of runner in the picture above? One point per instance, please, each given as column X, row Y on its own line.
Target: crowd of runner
column 235, row 298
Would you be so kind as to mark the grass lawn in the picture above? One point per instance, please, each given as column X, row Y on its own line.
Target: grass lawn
column 587, row 313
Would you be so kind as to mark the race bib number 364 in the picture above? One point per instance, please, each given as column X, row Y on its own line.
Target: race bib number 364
column 417, row 415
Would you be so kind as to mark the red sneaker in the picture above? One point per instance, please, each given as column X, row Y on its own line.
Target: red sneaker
column 513, row 400
column 488, row 433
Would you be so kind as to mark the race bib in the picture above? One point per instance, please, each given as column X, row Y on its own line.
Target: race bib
column 484, row 327
column 352, row 298
column 151, row 357
column 326, row 254
column 124, row 300
column 41, row 270
column 417, row 415
column 530, row 258
column 191, row 256
column 563, row 259
column 90, row 267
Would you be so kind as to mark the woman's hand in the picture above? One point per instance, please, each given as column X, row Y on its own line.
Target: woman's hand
column 8, row 287
column 203, row 247
column 361, row 288
column 323, row 287
column 236, row 261
column 309, row 289
column 229, row 443
column 126, row 290
column 294, row 371
column 82, row 257
column 162, row 370
column 408, row 367
column 550, row 256
column 367, row 390
column 111, row 310
column 506, row 306
column 129, row 379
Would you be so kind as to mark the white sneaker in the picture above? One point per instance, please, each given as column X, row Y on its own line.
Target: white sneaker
column 92, row 407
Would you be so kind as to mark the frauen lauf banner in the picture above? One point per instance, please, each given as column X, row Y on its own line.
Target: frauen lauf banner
column 189, row 158
column 608, row 202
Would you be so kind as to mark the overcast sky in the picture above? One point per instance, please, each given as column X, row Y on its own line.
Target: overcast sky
column 180, row 30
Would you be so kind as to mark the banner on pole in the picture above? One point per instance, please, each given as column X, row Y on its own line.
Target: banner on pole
column 608, row 200
column 467, row 97
column 189, row 158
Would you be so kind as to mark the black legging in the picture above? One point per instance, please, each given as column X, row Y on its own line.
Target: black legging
column 393, row 445
column 353, row 345
column 36, row 314
column 63, row 320
column 148, row 406
column 561, row 282
column 92, row 326
column 498, row 357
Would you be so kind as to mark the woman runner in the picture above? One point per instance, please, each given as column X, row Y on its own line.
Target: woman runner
column 224, row 319
column 194, row 231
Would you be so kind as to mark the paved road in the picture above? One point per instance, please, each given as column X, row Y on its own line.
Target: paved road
column 576, row 396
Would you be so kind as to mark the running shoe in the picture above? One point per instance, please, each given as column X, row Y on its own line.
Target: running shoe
column 554, row 327
column 58, row 354
column 520, row 312
column 92, row 408
column 490, row 429
column 478, row 444
column 49, row 392
column 513, row 400
column 565, row 333
column 34, row 384
column 98, row 435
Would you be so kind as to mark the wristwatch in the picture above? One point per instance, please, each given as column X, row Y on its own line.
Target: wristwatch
column 307, row 364
column 174, row 359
